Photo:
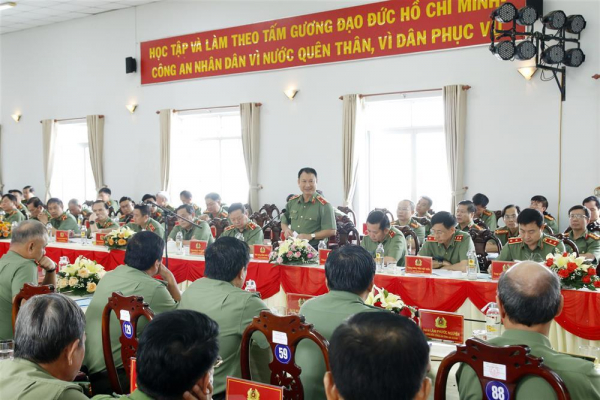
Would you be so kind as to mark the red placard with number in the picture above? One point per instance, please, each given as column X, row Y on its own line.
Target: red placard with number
column 133, row 377
column 418, row 265
column 197, row 247
column 295, row 301
column 442, row 325
column 498, row 267
column 62, row 236
column 323, row 254
column 241, row 389
column 100, row 239
column 262, row 252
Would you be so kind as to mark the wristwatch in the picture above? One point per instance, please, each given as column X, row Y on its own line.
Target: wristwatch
column 312, row 235
column 92, row 222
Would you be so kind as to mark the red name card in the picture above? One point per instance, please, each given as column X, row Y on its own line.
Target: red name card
column 262, row 252
column 365, row 231
column 133, row 376
column 197, row 247
column 498, row 267
column 442, row 325
column 100, row 239
column 418, row 265
column 295, row 301
column 241, row 389
column 323, row 254
column 62, row 236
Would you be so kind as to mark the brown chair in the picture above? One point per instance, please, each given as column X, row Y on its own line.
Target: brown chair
column 294, row 327
column 387, row 212
column 219, row 225
column 423, row 221
column 347, row 234
column 548, row 230
column 248, row 209
column 568, row 242
column 136, row 307
column 348, row 211
column 270, row 209
column 479, row 222
column 480, row 239
column 406, row 231
column 260, row 219
column 272, row 229
column 27, row 292
column 519, row 364
column 498, row 214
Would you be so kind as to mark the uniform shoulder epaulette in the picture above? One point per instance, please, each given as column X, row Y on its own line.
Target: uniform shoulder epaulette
column 567, row 234
column 321, row 199
column 515, row 240
column 430, row 238
column 251, row 225
column 551, row 242
column 195, row 206
column 459, row 238
column 294, row 197
column 487, row 212
column 224, row 214
column 151, row 228
column 230, row 227
column 593, row 236
column 549, row 217
column 392, row 233
column 415, row 225
column 501, row 232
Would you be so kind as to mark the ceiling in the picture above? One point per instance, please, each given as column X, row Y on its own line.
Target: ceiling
column 32, row 13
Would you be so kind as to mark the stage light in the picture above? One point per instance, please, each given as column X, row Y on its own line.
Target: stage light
column 575, row 24
column 505, row 13
column 527, row 16
column 574, row 58
column 553, row 54
column 525, row 50
column 504, row 50
column 554, row 20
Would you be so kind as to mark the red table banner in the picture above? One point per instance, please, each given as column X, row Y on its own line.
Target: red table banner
column 295, row 301
column 419, row 265
column 373, row 30
column 323, row 254
column 262, row 252
column 197, row 247
column 442, row 325
column 62, row 236
column 498, row 267
column 241, row 389
column 100, row 239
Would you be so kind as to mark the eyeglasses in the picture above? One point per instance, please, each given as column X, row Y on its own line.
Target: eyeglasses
column 577, row 216
column 513, row 216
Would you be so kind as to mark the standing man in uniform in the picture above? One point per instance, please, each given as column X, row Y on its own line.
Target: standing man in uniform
column 308, row 214
column 38, row 210
column 447, row 246
column 406, row 209
column 214, row 208
column 141, row 221
column 242, row 227
column 540, row 203
column 481, row 201
column 588, row 243
column 465, row 212
column 61, row 220
column 189, row 231
column 8, row 205
column 379, row 231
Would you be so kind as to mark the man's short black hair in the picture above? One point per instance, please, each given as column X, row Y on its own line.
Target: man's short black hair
column 307, row 170
column 378, row 217
column 55, row 200
column 481, row 199
column 9, row 196
column 350, row 269
column 184, row 343
column 213, row 196
column 235, row 207
column 530, row 215
column 149, row 197
column 186, row 193
column 225, row 258
column 100, row 202
column 15, row 191
column 428, row 199
column 36, row 202
column 591, row 198
column 510, row 206
column 378, row 355
column 105, row 190
column 541, row 199
column 144, row 209
column 188, row 209
column 30, row 188
column 143, row 250
column 444, row 218
column 585, row 210
column 125, row 198
column 470, row 206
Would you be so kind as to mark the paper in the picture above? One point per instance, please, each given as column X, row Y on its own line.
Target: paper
column 280, row 338
column 125, row 316
column 495, row 371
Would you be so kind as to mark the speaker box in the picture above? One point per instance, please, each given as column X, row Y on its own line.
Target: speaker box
column 130, row 65
column 538, row 5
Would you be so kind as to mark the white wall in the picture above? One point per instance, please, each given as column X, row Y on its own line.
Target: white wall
column 76, row 68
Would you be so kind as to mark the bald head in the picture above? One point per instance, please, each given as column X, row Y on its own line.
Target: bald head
column 28, row 231
column 530, row 293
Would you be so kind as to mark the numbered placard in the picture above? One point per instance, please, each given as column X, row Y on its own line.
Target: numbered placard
column 100, row 239
column 62, row 236
column 127, row 329
column 197, row 247
column 495, row 390
column 283, row 354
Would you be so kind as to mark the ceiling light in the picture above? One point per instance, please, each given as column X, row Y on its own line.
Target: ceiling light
column 574, row 58
column 131, row 107
column 554, row 20
column 290, row 93
column 6, row 6
column 16, row 117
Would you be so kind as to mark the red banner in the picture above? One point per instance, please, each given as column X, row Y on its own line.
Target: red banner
column 372, row 30
column 62, row 236
column 442, row 325
column 197, row 247
column 241, row 389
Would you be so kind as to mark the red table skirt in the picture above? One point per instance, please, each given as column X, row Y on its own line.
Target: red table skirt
column 580, row 316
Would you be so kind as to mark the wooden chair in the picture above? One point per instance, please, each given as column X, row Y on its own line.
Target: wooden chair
column 296, row 329
column 219, row 225
column 347, row 234
column 136, row 307
column 406, row 231
column 348, row 211
column 423, row 221
column 548, row 230
column 386, row 212
column 273, row 230
column 519, row 364
column 248, row 209
column 498, row 214
column 567, row 242
column 269, row 209
column 479, row 222
column 480, row 239
column 260, row 219
column 27, row 292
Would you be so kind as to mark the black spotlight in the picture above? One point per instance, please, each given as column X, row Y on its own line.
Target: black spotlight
column 575, row 24
column 574, row 58
column 527, row 16
column 553, row 54
column 525, row 50
column 504, row 50
column 505, row 13
column 555, row 20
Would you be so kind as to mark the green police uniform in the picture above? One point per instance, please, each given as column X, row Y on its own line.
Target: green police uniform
column 108, row 224
column 489, row 219
column 251, row 232
column 47, row 215
column 194, row 233
column 65, row 222
column 326, row 313
column 580, row 377
column 197, row 209
column 460, row 244
column 516, row 249
column 222, row 213
column 23, row 210
column 416, row 228
column 151, row 226
column 427, row 226
column 113, row 203
column 23, row 379
column 136, row 395
column 466, row 229
column 309, row 217
column 504, row 234
column 158, row 216
column 14, row 216
column 15, row 271
column 587, row 243
column 394, row 245
column 125, row 219
column 233, row 309
column 551, row 223
column 129, row 281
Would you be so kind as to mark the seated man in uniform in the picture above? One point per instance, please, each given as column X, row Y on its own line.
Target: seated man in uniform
column 104, row 195
column 406, row 209
column 214, row 208
column 141, row 221
column 242, row 228
column 19, row 266
column 78, row 211
column 481, row 201
column 510, row 213
column 61, row 220
column 423, row 207
column 12, row 213
column 162, row 199
column 532, row 243
column 37, row 210
column 126, row 205
column 189, row 231
column 350, row 271
column 19, row 203
column 465, row 212
column 592, row 203
column 356, row 346
column 529, row 298
column 540, row 203
column 379, row 231
column 588, row 243
column 155, row 212
column 100, row 221
column 308, row 214
column 446, row 245
column 28, row 193
column 186, row 198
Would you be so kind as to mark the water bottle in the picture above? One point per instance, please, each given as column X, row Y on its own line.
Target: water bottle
column 179, row 242
column 322, row 245
column 80, row 220
column 13, row 226
column 83, row 235
column 250, row 286
column 379, row 255
column 49, row 230
column 472, row 267
column 492, row 321
column 62, row 263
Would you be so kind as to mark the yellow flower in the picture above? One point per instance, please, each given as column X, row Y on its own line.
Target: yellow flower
column 73, row 281
column 561, row 261
column 83, row 272
column 63, row 283
column 91, row 287
column 93, row 268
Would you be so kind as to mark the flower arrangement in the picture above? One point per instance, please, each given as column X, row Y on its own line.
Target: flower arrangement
column 379, row 297
column 294, row 251
column 5, row 230
column 118, row 238
column 81, row 277
column 574, row 272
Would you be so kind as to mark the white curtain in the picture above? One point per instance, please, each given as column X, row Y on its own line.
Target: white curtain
column 48, row 142
column 351, row 133
column 455, row 119
column 166, row 125
column 1, row 183
column 95, row 128
column 250, row 116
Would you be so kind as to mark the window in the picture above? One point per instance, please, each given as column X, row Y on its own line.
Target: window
column 405, row 152
column 207, row 156
column 72, row 176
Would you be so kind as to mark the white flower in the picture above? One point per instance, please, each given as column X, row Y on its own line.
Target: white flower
column 63, row 283
column 83, row 273
column 73, row 281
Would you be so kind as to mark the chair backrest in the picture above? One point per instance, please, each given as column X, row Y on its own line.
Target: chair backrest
column 517, row 360
column 27, row 292
column 260, row 219
column 219, row 224
column 548, row 230
column 387, row 212
column 128, row 310
column 348, row 236
column 568, row 242
column 479, row 222
column 248, row 208
column 406, row 231
column 423, row 221
column 498, row 214
column 272, row 229
column 593, row 226
column 295, row 329
column 348, row 211
column 480, row 239
column 269, row 209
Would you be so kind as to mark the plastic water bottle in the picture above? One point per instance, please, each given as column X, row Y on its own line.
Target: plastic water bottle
column 49, row 230
column 179, row 242
column 379, row 255
column 84, row 235
column 62, row 263
column 472, row 267
column 80, row 220
column 322, row 245
column 492, row 321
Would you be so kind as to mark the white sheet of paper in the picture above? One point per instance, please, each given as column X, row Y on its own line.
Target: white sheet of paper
column 495, row 371
column 125, row 316
column 280, row 338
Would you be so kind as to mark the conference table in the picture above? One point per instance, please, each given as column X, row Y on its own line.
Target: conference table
column 578, row 325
